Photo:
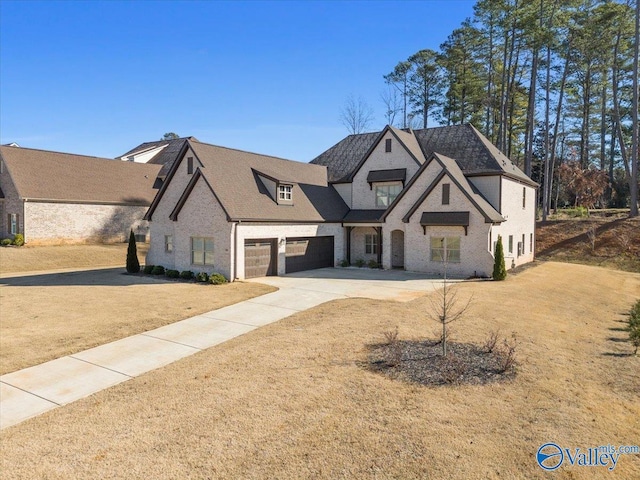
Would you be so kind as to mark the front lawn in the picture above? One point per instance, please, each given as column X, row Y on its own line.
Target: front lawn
column 48, row 316
column 295, row 400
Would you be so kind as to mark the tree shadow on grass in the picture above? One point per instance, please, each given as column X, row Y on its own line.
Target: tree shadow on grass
column 110, row 277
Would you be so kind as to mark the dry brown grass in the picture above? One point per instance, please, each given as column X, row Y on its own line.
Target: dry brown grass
column 49, row 316
column 290, row 401
column 31, row 258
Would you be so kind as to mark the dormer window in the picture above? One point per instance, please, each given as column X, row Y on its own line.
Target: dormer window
column 284, row 193
column 387, row 145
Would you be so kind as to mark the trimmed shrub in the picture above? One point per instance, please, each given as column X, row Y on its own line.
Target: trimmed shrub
column 157, row 270
column 173, row 273
column 344, row 263
column 18, row 240
column 186, row 274
column 133, row 266
column 499, row 269
column 202, row 277
column 6, row 242
column 359, row 263
column 148, row 269
column 373, row 264
column 217, row 279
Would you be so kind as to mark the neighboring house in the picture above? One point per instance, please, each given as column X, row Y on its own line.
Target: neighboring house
column 51, row 197
column 161, row 152
column 404, row 199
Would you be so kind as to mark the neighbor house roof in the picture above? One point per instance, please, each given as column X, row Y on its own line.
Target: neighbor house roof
column 164, row 157
column 234, row 178
column 473, row 152
column 65, row 177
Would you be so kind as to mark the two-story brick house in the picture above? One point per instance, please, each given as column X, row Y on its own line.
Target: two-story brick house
column 421, row 200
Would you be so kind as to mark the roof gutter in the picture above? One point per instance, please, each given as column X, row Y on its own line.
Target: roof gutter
column 83, row 202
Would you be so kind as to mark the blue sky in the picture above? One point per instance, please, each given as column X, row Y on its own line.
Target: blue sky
column 100, row 77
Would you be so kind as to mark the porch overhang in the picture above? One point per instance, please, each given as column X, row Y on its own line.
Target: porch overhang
column 363, row 218
column 446, row 219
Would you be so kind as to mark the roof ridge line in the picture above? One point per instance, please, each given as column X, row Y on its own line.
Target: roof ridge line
column 60, row 153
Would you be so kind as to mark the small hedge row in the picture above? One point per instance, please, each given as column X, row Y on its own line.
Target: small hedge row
column 17, row 241
column 201, row 277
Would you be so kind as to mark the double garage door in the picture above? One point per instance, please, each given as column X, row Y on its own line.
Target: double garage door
column 302, row 253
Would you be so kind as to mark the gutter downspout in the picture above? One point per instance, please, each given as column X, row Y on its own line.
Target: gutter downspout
column 235, row 250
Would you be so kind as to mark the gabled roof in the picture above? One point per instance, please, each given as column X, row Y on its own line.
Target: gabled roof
column 233, row 176
column 65, row 177
column 164, row 157
column 405, row 139
column 473, row 152
column 449, row 169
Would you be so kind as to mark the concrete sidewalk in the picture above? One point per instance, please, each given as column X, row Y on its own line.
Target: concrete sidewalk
column 35, row 390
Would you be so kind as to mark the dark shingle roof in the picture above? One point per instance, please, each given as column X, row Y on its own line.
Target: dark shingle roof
column 234, row 177
column 344, row 156
column 45, row 175
column 471, row 150
column 364, row 216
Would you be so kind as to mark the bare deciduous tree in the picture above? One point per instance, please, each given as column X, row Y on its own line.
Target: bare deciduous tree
column 447, row 308
column 356, row 115
column 392, row 104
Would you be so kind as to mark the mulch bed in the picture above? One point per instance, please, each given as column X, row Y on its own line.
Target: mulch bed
column 422, row 362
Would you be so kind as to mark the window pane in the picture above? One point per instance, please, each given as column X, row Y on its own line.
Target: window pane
column 197, row 243
column 208, row 244
column 198, row 257
column 208, row 258
column 453, row 256
column 453, row 243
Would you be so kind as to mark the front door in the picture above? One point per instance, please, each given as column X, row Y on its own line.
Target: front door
column 397, row 249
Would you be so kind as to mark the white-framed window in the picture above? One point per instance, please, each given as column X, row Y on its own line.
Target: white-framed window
column 445, row 249
column 13, row 223
column 510, row 243
column 284, row 192
column 524, row 197
column 386, row 194
column 531, row 243
column 168, row 243
column 371, row 243
column 201, row 251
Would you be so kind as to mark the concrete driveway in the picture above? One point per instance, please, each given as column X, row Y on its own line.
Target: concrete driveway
column 35, row 390
column 353, row 282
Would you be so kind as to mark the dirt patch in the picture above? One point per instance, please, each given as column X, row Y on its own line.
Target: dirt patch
column 422, row 362
column 290, row 400
column 617, row 241
column 51, row 315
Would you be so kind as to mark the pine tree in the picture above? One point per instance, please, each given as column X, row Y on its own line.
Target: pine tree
column 499, row 269
column 133, row 266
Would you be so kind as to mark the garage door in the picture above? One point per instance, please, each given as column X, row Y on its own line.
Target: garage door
column 307, row 253
column 260, row 257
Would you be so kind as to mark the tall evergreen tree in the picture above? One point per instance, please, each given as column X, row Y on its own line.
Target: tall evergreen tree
column 499, row 268
column 133, row 265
